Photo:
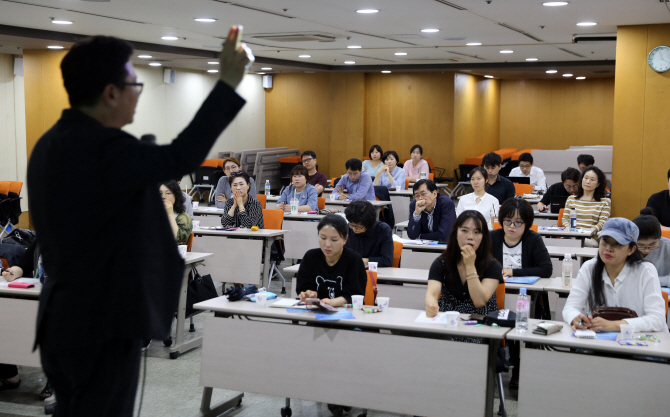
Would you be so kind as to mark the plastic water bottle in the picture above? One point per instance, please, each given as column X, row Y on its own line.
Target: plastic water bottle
column 267, row 187
column 522, row 311
column 567, row 271
column 573, row 218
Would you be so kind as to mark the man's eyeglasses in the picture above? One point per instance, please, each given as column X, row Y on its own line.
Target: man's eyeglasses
column 509, row 223
column 356, row 227
column 138, row 87
column 230, row 167
column 648, row 247
column 307, row 160
column 421, row 194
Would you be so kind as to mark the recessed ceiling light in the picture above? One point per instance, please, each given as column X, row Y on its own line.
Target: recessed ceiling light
column 213, row 63
column 213, row 71
column 567, row 75
column 473, row 43
column 169, row 38
column 386, row 72
column 354, row 47
column 580, row 78
column 401, row 53
column 55, row 47
column 367, row 11
column 144, row 56
column 304, row 56
column 552, row 72
column 586, row 24
column 506, row 51
column 555, row 3
column 430, row 30
column 205, row 19
column 488, row 76
column 349, row 62
column 531, row 59
column 260, row 73
column 155, row 64
column 61, row 22
column 266, row 69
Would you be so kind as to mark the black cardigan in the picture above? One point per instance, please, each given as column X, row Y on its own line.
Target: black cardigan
column 535, row 258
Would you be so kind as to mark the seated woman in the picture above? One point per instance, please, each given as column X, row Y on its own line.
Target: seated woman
column 370, row 238
column 390, row 175
column 617, row 277
column 652, row 246
column 305, row 193
column 333, row 272
column 415, row 166
column 590, row 203
column 372, row 166
column 465, row 277
column 180, row 221
column 223, row 191
column 242, row 210
column 479, row 199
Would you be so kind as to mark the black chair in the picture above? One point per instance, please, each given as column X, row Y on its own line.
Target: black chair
column 386, row 215
column 462, row 173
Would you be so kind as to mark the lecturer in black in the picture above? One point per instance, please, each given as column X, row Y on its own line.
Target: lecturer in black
column 114, row 268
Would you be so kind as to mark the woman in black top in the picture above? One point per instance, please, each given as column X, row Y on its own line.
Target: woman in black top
column 332, row 273
column 242, row 210
column 465, row 277
column 372, row 239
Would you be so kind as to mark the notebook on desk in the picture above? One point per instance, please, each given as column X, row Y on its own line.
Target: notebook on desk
column 521, row 280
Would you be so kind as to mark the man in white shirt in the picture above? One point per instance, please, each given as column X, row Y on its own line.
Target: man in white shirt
column 527, row 169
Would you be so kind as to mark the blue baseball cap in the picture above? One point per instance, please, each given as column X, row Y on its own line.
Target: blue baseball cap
column 622, row 230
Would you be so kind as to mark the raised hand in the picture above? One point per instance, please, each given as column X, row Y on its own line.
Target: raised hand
column 233, row 58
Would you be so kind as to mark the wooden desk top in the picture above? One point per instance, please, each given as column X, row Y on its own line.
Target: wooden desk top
column 262, row 233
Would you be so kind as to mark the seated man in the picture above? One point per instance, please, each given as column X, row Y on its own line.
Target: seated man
column 526, row 169
column 358, row 184
column 660, row 202
column 372, row 239
column 568, row 186
column 584, row 161
column 497, row 185
column 314, row 177
column 432, row 214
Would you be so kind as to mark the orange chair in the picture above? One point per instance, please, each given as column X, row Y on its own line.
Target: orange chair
column 15, row 187
column 213, row 163
column 665, row 233
column 477, row 160
column 521, row 189
column 321, row 202
column 497, row 226
column 332, row 182
column 397, row 252
column 560, row 217
column 431, row 176
column 262, row 198
column 273, row 219
column 4, row 262
column 370, row 288
column 4, row 187
column 406, row 184
column 665, row 300
column 189, row 243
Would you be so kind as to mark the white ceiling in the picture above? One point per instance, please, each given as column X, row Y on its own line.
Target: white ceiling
column 396, row 28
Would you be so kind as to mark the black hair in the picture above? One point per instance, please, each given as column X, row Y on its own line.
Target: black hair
column 299, row 170
column 416, row 147
column 308, row 153
column 378, row 148
column 93, row 64
column 517, row 205
column 361, row 212
column 599, row 192
column 393, row 154
column 571, row 174
column 482, row 171
column 526, row 157
column 650, row 227
column 354, row 164
column 429, row 184
column 242, row 174
column 597, row 294
column 179, row 205
column 586, row 159
column 491, row 159
column 337, row 222
column 669, row 175
column 452, row 255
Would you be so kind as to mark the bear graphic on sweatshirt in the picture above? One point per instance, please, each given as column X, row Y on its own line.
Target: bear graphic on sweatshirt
column 330, row 285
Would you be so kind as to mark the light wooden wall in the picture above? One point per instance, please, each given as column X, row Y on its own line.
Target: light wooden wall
column 556, row 114
column 641, row 140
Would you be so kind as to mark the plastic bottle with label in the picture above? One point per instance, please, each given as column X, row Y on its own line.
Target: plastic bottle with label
column 567, row 271
column 522, row 311
column 573, row 218
column 267, row 187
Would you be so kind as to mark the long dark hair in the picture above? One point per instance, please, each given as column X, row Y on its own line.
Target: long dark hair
column 452, row 255
column 600, row 191
column 597, row 293
column 179, row 200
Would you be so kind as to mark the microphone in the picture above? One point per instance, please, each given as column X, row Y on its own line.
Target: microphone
column 149, row 139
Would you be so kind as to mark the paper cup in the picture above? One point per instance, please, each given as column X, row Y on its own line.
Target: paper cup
column 372, row 266
column 196, row 224
column 383, row 303
column 196, row 204
column 424, row 175
column 452, row 318
column 294, row 206
column 261, row 299
column 357, row 301
column 627, row 332
column 182, row 250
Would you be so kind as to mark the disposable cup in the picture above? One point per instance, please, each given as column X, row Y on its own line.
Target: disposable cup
column 196, row 204
column 383, row 303
column 372, row 266
column 196, row 224
column 261, row 299
column 182, row 250
column 452, row 318
column 627, row 332
column 357, row 301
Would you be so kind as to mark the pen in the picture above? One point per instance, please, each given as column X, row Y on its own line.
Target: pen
column 7, row 270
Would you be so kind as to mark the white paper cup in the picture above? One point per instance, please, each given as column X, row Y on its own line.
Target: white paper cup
column 196, row 204
column 452, row 318
column 261, row 299
column 182, row 250
column 357, row 301
column 627, row 332
column 372, row 266
column 196, row 224
column 294, row 206
column 383, row 303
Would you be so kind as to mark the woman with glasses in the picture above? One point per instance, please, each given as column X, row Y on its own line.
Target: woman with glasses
column 652, row 246
column 390, row 175
column 174, row 202
column 223, row 191
column 242, row 209
column 568, row 186
column 372, row 239
column 479, row 199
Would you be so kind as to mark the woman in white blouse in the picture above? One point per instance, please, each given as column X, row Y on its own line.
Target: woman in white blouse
column 479, row 200
column 617, row 277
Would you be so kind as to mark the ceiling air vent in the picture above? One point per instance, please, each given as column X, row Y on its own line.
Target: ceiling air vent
column 296, row 37
column 594, row 38
column 450, row 4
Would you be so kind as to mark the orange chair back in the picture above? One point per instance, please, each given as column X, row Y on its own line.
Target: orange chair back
column 665, row 233
column 397, row 252
column 321, row 202
column 560, row 217
column 262, row 198
column 497, row 226
column 406, row 184
column 212, row 163
column 665, row 301
column 332, row 182
column 475, row 160
column 431, row 176
column 500, row 296
column 430, row 163
column 273, row 218
column 369, row 299
column 367, row 158
column 15, row 187
column 521, row 189
column 5, row 264
column 4, row 187
column 189, row 243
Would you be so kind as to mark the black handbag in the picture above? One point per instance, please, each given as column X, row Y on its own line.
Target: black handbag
column 200, row 288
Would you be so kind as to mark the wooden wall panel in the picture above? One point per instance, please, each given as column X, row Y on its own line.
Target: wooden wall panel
column 556, row 114
column 347, row 119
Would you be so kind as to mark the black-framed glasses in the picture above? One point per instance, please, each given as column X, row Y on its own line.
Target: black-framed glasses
column 509, row 223
column 138, row 87
column 307, row 160
column 231, row 167
column 648, row 247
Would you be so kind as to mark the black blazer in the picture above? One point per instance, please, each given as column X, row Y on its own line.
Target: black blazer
column 113, row 268
column 443, row 220
column 535, row 260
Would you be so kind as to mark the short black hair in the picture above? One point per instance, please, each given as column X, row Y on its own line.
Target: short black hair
column 669, row 175
column 429, row 184
column 648, row 224
column 390, row 153
column 571, row 174
column 378, row 148
column 586, row 159
column 361, row 212
column 354, row 164
column 491, row 159
column 179, row 200
column 308, row 153
column 417, row 146
column 299, row 170
column 337, row 222
column 600, row 191
column 526, row 157
column 513, row 205
column 482, row 171
column 91, row 65
column 234, row 175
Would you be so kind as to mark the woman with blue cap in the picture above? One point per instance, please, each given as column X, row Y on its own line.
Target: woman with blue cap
column 617, row 277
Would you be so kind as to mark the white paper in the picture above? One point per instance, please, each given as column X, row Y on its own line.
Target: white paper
column 285, row 303
column 585, row 334
column 441, row 318
column 397, row 238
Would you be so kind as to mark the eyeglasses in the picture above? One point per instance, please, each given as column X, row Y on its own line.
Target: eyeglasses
column 421, row 194
column 138, row 87
column 571, row 187
column 307, row 160
column 230, row 167
column 648, row 247
column 356, row 227
column 509, row 223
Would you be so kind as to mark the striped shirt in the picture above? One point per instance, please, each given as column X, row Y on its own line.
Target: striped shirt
column 251, row 216
column 591, row 215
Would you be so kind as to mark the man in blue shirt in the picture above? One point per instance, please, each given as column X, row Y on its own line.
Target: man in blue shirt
column 432, row 214
column 497, row 185
column 358, row 184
